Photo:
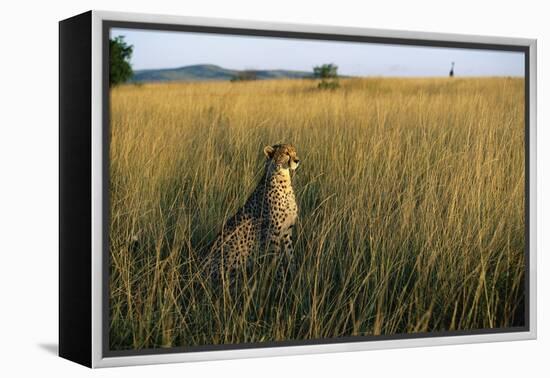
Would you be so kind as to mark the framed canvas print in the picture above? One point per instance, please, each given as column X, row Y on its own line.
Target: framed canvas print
column 240, row 189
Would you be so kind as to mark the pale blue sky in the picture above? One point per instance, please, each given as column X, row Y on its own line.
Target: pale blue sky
column 161, row 49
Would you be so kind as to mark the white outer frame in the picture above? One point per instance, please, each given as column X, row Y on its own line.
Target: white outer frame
column 97, row 194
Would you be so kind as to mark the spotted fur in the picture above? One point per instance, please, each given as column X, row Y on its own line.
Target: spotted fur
column 264, row 224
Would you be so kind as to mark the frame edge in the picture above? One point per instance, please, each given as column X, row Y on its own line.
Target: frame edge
column 75, row 312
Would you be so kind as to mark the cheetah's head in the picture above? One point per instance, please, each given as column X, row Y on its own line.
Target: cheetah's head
column 282, row 157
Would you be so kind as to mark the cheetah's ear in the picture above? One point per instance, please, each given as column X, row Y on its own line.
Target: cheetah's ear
column 268, row 151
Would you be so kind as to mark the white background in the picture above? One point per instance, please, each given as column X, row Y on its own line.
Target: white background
column 29, row 190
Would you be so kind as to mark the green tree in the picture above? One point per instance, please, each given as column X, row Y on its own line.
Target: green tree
column 119, row 57
column 328, row 73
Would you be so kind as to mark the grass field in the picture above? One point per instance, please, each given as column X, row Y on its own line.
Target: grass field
column 410, row 195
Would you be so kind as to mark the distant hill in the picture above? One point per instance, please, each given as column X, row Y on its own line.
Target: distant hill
column 200, row 72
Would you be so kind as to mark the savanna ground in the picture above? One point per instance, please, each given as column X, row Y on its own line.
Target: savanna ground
column 410, row 195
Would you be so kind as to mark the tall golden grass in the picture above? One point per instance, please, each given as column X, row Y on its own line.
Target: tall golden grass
column 410, row 195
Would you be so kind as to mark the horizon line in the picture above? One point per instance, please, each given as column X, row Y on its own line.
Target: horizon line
column 301, row 70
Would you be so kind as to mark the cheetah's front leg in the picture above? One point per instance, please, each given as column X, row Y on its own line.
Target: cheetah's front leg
column 288, row 252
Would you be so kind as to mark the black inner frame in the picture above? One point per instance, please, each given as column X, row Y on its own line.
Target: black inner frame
column 106, row 28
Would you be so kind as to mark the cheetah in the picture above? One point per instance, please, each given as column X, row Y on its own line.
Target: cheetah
column 265, row 221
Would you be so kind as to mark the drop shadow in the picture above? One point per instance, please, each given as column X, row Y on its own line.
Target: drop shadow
column 51, row 348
